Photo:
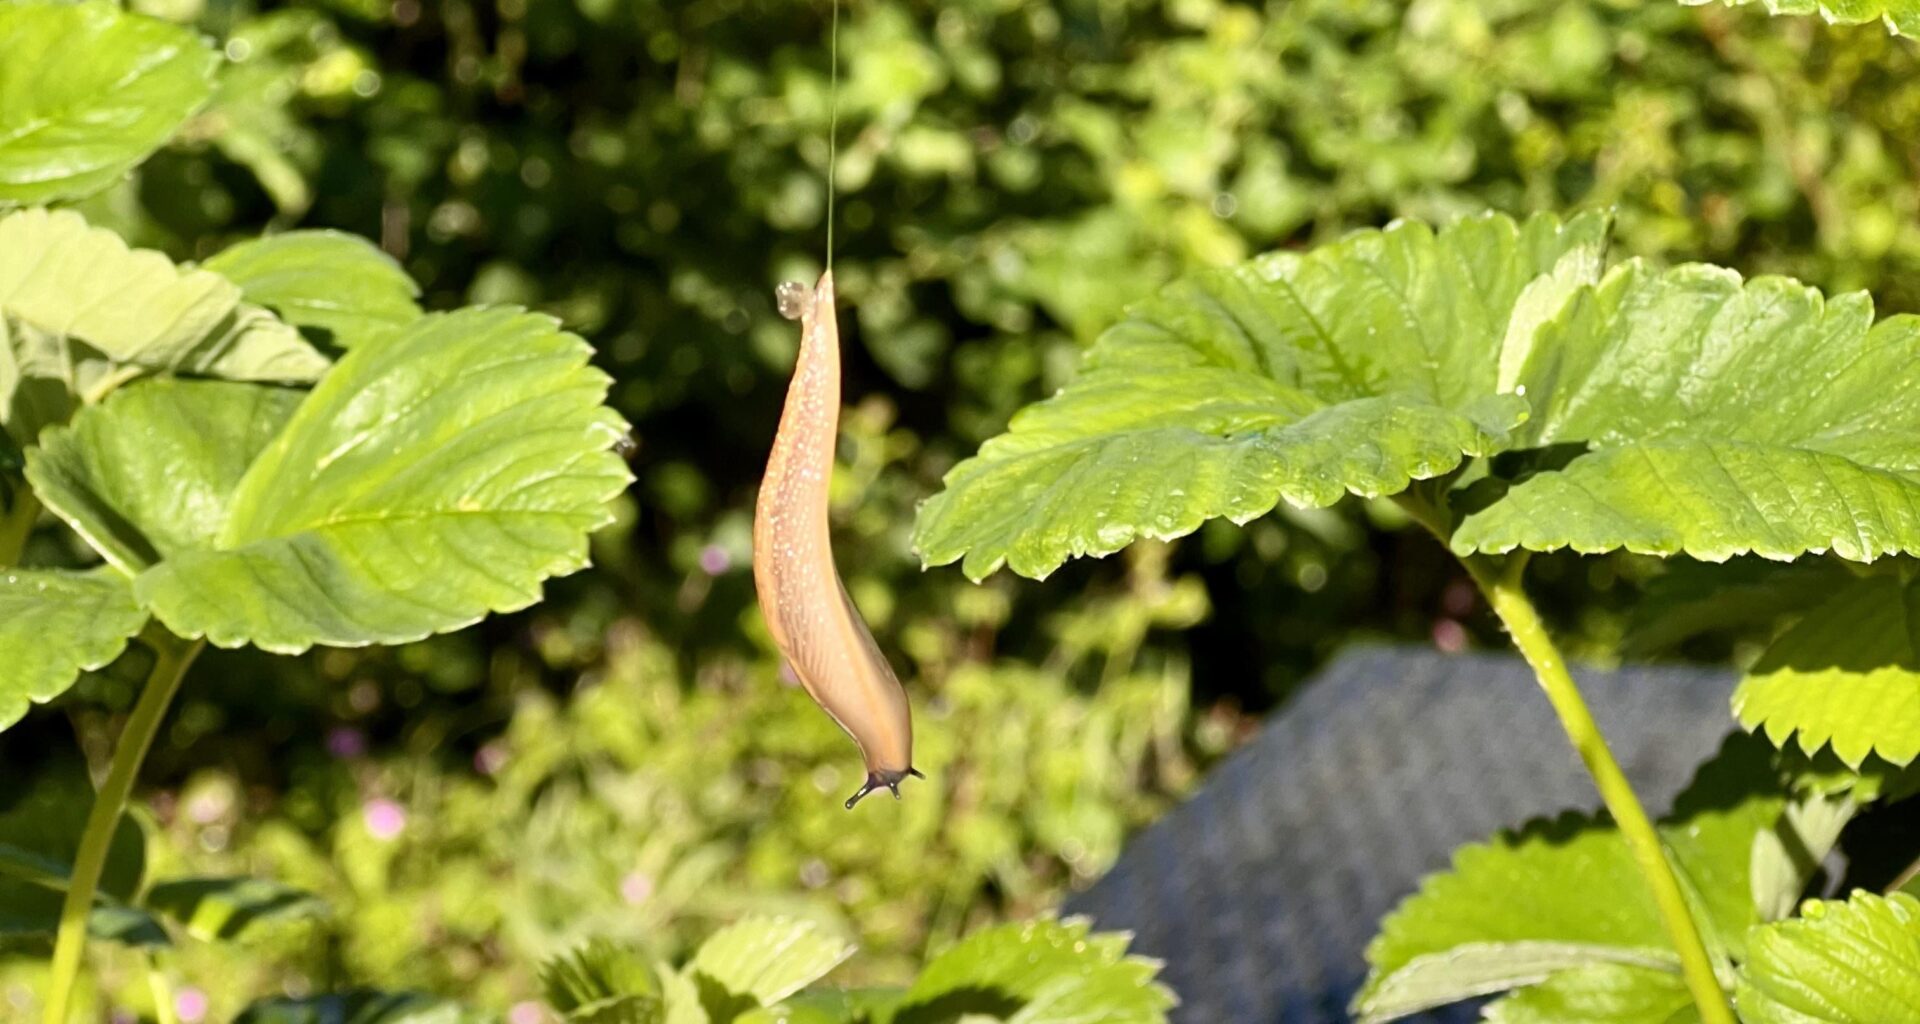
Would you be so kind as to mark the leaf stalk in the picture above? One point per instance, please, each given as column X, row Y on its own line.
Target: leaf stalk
column 172, row 656
column 1504, row 593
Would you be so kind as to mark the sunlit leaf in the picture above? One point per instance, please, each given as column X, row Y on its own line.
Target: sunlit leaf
column 1037, row 971
column 81, row 312
column 220, row 909
column 86, row 92
column 768, row 959
column 426, row 481
column 1356, row 368
column 1565, row 894
column 1723, row 417
column 335, row 283
column 54, row 625
column 1847, row 675
column 1901, row 17
column 151, row 471
column 1599, row 994
column 1856, row 962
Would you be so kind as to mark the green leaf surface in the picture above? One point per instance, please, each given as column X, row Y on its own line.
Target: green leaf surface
column 1355, row 368
column 151, row 471
column 1901, row 17
column 1048, row 970
column 1721, row 417
column 1692, row 598
column 359, row 1007
column 54, row 625
column 81, row 312
column 829, row 1006
column 1564, row 894
column 42, row 813
column 337, row 284
column 86, row 92
column 768, row 959
column 1853, row 962
column 428, row 480
column 603, row 982
column 1600, row 994
column 222, row 909
column 1847, row 676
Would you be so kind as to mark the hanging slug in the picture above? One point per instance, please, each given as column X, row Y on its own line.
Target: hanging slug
column 814, row 622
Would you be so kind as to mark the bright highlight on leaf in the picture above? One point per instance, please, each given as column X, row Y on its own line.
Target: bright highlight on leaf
column 1856, row 962
column 1901, row 17
column 429, row 479
column 80, row 313
column 54, row 625
column 1723, row 417
column 1356, row 368
column 337, row 285
column 86, row 92
column 1847, row 675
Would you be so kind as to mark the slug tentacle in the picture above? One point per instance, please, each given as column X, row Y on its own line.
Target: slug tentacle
column 813, row 621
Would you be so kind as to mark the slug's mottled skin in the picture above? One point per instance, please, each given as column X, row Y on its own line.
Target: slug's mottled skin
column 814, row 622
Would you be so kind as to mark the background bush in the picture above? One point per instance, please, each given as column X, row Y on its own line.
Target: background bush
column 623, row 759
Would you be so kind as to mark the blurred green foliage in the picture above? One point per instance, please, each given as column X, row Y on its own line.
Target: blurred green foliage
column 622, row 759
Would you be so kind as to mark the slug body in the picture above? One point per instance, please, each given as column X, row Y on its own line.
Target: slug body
column 813, row 621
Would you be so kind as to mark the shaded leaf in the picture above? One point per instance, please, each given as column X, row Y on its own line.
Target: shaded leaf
column 597, row 971
column 1355, row 368
column 220, row 909
column 54, row 625
column 1691, row 598
column 70, row 127
column 151, row 471
column 1723, row 417
column 338, row 284
column 1901, row 17
column 43, row 811
column 1600, row 994
column 1856, row 962
column 1564, row 894
column 425, row 482
column 359, row 1007
column 1847, row 676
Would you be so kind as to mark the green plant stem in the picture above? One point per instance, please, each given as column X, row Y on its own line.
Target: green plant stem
column 16, row 525
column 171, row 658
column 162, row 989
column 1529, row 634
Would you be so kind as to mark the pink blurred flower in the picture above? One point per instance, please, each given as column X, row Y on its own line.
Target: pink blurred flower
column 636, row 887
column 1449, row 636
column 385, row 819
column 714, row 560
column 190, row 1004
column 528, row 1012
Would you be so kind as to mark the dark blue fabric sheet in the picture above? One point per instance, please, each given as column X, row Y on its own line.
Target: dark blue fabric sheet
column 1261, row 892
